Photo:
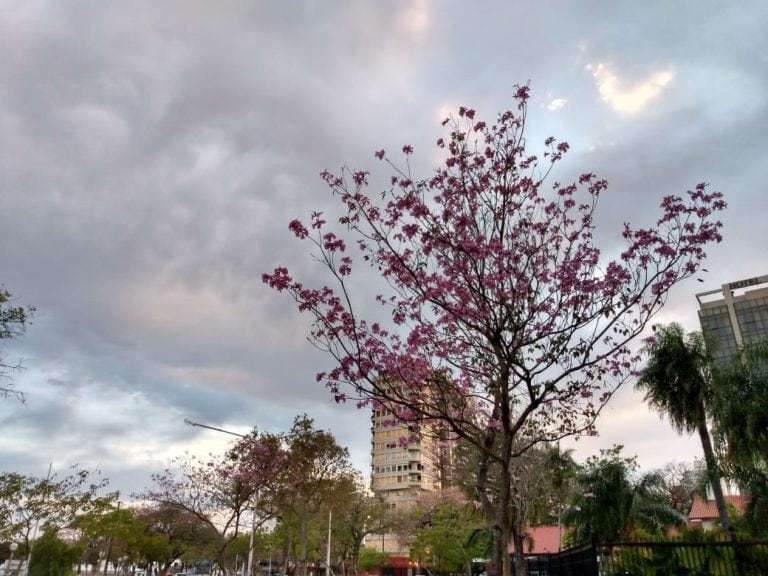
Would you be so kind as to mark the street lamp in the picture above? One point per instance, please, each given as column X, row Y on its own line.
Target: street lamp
column 253, row 518
column 13, row 546
column 253, row 521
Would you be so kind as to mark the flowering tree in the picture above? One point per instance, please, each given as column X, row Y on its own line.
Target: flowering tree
column 222, row 490
column 504, row 322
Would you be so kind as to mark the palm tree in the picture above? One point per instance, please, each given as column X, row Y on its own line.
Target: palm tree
column 612, row 506
column 677, row 381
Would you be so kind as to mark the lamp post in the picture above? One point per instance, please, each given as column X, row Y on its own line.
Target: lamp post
column 253, row 518
column 328, row 549
column 13, row 546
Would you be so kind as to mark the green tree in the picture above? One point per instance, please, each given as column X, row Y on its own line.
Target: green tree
column 612, row 506
column 356, row 514
column 27, row 503
column 371, row 559
column 172, row 532
column 442, row 537
column 53, row 556
column 115, row 532
column 314, row 469
column 740, row 427
column 13, row 323
column 677, row 381
column 541, row 476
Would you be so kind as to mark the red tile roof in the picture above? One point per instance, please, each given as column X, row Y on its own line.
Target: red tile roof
column 541, row 540
column 707, row 510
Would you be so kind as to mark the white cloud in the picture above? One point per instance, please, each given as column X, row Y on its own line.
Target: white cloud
column 556, row 103
column 633, row 98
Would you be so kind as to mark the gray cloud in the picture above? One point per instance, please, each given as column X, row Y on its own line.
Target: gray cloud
column 152, row 155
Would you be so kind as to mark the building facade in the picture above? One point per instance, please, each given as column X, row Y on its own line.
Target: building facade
column 406, row 463
column 734, row 314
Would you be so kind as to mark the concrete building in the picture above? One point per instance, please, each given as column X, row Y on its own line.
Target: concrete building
column 734, row 314
column 407, row 461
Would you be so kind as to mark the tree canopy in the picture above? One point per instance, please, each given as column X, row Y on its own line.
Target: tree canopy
column 497, row 314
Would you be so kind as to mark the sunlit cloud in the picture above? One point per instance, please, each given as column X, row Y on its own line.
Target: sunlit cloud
column 628, row 99
column 556, row 104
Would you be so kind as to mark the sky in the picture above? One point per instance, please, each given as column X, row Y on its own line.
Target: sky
column 153, row 153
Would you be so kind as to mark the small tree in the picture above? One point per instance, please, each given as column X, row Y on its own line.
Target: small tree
column 53, row 556
column 222, row 491
column 612, row 505
column 502, row 320
column 371, row 559
column 442, row 536
column 28, row 503
column 172, row 532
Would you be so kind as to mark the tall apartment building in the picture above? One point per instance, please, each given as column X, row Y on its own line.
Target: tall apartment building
column 735, row 313
column 406, row 462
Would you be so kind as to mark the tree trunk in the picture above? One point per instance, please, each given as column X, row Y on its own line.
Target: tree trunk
column 521, row 568
column 713, row 471
column 303, row 545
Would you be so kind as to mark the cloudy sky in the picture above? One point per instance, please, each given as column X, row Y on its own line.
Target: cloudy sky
column 152, row 154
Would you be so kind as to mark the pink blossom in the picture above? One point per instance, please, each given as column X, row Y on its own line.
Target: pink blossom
column 298, row 229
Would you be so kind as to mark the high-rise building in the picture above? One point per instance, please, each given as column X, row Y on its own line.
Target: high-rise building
column 734, row 314
column 404, row 460
column 407, row 461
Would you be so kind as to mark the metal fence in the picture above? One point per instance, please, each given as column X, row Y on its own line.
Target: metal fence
column 674, row 558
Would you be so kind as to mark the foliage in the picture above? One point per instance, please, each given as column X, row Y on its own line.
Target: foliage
column 223, row 491
column 678, row 382
column 442, row 538
column 740, row 405
column 124, row 532
column 53, row 556
column 13, row 323
column 28, row 502
column 740, row 427
column 541, row 479
column 315, row 470
column 172, row 532
column 612, row 505
column 371, row 559
column 678, row 481
column 501, row 319
column 356, row 515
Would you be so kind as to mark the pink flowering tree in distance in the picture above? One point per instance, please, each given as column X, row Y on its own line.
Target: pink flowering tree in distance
column 228, row 493
column 503, row 324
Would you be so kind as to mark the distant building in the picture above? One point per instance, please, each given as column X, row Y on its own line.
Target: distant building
column 540, row 540
column 704, row 514
column 405, row 463
column 409, row 459
column 735, row 313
